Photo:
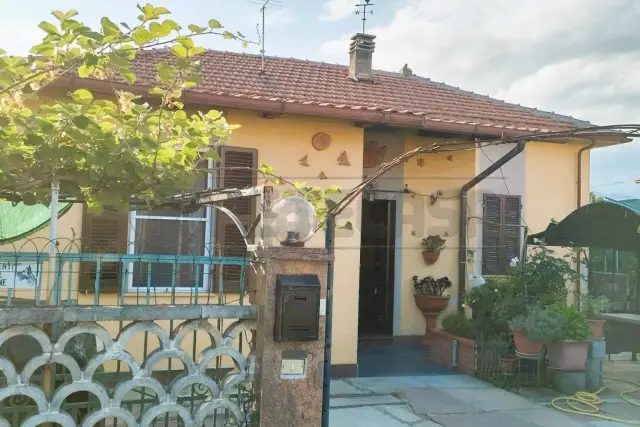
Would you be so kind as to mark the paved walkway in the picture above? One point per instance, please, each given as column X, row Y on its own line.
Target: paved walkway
column 441, row 400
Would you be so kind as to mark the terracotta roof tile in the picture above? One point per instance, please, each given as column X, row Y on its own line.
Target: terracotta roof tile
column 315, row 83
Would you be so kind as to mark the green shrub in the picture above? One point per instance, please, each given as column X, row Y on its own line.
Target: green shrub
column 591, row 305
column 458, row 324
column 574, row 323
column 540, row 325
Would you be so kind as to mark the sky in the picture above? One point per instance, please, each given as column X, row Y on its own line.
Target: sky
column 575, row 57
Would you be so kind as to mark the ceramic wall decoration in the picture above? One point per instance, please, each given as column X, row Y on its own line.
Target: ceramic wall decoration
column 304, row 161
column 343, row 160
column 373, row 154
column 321, row 141
column 322, row 175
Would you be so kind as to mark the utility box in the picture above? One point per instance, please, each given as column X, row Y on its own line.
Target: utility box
column 297, row 307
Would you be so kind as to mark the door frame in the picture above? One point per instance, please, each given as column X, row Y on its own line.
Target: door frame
column 397, row 267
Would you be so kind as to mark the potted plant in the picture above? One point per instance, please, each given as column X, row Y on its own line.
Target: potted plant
column 568, row 350
column 433, row 245
column 591, row 306
column 428, row 294
column 533, row 329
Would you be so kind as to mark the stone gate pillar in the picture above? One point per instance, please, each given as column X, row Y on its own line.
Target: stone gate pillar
column 288, row 373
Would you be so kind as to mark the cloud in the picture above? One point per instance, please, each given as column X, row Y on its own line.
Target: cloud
column 280, row 17
column 575, row 57
column 336, row 10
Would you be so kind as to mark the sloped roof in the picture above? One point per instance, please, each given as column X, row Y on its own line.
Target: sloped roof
column 327, row 85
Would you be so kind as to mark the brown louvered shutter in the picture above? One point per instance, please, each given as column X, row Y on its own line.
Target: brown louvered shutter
column 491, row 220
column 510, row 241
column 237, row 170
column 103, row 234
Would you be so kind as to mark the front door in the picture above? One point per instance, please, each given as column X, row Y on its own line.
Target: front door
column 377, row 268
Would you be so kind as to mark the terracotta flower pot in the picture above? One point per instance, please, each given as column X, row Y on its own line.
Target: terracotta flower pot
column 430, row 258
column 597, row 327
column 431, row 306
column 507, row 365
column 568, row 355
column 523, row 345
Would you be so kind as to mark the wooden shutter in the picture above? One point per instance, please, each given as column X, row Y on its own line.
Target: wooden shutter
column 511, row 209
column 491, row 220
column 103, row 234
column 228, row 238
column 500, row 232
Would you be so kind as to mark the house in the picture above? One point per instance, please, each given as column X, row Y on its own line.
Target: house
column 330, row 124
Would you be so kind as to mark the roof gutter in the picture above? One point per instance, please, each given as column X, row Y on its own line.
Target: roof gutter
column 462, row 244
column 282, row 106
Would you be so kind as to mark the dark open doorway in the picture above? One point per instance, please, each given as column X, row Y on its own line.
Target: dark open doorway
column 377, row 258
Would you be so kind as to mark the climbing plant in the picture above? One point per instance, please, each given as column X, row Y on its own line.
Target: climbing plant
column 105, row 151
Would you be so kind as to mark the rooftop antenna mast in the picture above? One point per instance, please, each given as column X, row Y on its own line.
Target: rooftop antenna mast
column 262, row 51
column 364, row 12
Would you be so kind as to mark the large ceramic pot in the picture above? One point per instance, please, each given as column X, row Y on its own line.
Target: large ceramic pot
column 597, row 328
column 568, row 355
column 523, row 345
column 430, row 258
column 431, row 306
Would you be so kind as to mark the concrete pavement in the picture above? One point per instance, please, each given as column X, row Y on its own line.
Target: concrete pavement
column 441, row 401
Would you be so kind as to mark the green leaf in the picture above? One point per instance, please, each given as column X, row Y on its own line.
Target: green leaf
column 160, row 11
column 59, row 15
column 170, row 24
column 118, row 60
column 180, row 51
column 129, row 76
column 82, row 96
column 245, row 45
column 81, row 122
column 44, row 49
column 109, row 27
column 141, row 36
column 334, row 189
column 197, row 50
column 240, row 34
column 2, row 51
column 84, row 71
column 157, row 91
column 48, row 27
column 71, row 14
column 214, row 23
column 180, row 115
column 196, row 29
column 185, row 41
column 155, row 29
column 228, row 35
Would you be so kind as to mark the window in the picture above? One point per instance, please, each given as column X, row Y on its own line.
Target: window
column 171, row 232
column 204, row 232
column 500, row 232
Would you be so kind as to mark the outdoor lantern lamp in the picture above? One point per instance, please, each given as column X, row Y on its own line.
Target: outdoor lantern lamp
column 296, row 221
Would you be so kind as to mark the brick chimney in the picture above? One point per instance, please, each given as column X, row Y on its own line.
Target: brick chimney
column 361, row 54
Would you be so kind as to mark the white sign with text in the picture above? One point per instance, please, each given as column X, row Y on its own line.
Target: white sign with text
column 19, row 275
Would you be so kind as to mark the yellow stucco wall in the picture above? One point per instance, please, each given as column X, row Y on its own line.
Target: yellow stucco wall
column 421, row 219
column 551, row 182
column 282, row 143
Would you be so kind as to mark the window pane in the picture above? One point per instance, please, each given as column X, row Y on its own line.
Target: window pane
column 169, row 237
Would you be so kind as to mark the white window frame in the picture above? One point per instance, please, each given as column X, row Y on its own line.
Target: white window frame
column 208, row 219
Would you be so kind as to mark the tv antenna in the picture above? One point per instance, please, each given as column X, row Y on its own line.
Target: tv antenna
column 364, row 12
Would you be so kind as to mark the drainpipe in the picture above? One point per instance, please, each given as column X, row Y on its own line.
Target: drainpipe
column 462, row 254
column 329, row 244
column 578, row 204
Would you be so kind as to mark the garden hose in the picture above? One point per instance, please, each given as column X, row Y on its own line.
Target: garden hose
column 585, row 403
